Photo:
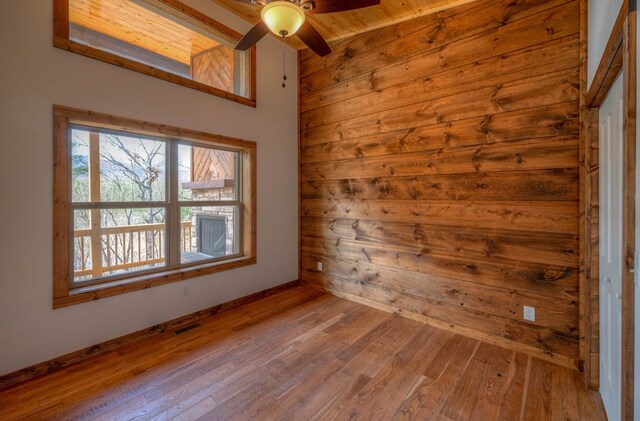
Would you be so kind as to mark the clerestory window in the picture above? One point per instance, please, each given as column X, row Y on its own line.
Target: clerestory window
column 162, row 38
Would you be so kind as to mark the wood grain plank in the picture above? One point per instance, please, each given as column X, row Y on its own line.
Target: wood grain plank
column 526, row 246
column 500, row 297
column 516, row 387
column 538, row 403
column 487, row 372
column 484, row 103
column 555, row 184
column 513, row 156
column 393, row 382
column 390, row 86
column 552, row 217
column 557, row 120
column 442, row 374
column 537, row 91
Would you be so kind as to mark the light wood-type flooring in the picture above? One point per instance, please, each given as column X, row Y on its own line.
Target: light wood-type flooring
column 302, row 355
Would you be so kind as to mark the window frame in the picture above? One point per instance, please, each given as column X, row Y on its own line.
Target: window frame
column 61, row 39
column 67, row 292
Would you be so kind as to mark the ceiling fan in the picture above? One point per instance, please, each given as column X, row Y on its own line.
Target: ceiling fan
column 287, row 17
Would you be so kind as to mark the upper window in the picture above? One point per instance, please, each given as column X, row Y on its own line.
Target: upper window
column 161, row 38
column 135, row 207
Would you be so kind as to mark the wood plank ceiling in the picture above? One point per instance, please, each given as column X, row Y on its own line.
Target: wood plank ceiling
column 335, row 26
column 132, row 23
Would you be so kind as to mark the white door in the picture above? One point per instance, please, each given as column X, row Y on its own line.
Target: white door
column 611, row 249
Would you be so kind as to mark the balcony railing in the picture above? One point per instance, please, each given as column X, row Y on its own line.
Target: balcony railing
column 123, row 248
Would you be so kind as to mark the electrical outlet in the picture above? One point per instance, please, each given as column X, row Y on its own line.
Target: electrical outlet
column 185, row 291
column 530, row 313
column 320, row 266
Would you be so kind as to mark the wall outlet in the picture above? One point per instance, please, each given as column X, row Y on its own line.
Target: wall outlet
column 320, row 266
column 530, row 313
column 186, row 291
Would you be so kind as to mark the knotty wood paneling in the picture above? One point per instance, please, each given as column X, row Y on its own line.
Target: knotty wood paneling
column 439, row 172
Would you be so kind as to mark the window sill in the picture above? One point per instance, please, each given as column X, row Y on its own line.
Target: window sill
column 96, row 292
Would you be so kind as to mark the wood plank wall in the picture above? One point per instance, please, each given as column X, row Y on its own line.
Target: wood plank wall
column 439, row 172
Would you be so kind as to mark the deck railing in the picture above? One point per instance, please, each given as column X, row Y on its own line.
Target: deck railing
column 124, row 247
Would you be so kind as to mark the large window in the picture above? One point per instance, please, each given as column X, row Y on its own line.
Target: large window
column 138, row 204
column 161, row 38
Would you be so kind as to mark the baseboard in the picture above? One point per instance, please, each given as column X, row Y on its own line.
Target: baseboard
column 54, row 364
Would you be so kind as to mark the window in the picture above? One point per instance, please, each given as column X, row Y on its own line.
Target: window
column 138, row 204
column 161, row 38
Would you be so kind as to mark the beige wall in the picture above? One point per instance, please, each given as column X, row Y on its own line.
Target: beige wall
column 33, row 77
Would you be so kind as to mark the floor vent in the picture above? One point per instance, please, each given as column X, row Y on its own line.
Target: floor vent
column 186, row 328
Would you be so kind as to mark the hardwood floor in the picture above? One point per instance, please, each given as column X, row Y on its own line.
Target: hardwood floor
column 300, row 355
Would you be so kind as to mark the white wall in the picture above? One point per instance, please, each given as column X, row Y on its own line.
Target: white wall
column 602, row 17
column 34, row 76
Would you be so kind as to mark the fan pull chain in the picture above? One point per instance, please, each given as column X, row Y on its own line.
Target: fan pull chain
column 284, row 63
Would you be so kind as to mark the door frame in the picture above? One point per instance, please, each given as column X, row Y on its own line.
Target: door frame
column 619, row 55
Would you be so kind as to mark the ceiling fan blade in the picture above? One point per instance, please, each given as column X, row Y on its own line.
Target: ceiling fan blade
column 253, row 36
column 331, row 6
column 253, row 2
column 312, row 38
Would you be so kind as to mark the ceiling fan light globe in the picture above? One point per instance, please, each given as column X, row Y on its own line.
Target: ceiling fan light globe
column 283, row 17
